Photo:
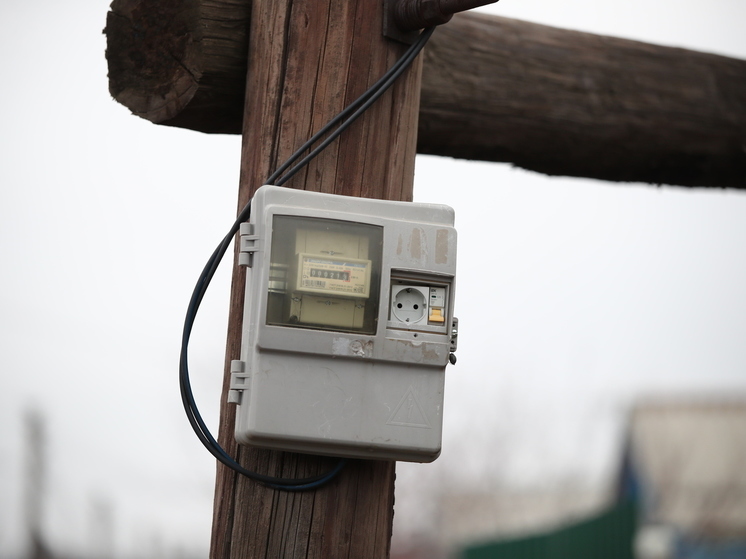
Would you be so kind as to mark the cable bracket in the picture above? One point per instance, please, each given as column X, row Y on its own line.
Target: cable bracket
column 402, row 19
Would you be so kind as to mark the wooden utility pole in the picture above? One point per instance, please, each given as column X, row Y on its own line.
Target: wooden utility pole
column 307, row 61
column 551, row 100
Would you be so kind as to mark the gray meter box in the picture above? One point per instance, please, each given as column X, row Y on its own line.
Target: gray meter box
column 348, row 325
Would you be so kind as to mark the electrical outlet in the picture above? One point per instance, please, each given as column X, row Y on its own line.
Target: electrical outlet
column 409, row 303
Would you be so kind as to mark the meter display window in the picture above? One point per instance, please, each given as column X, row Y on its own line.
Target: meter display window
column 324, row 274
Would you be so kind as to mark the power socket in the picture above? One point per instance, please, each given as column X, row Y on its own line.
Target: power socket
column 409, row 303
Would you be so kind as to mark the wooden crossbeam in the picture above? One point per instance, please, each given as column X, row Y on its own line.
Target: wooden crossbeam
column 494, row 89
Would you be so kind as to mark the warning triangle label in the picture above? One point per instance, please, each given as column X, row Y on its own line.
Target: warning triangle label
column 409, row 412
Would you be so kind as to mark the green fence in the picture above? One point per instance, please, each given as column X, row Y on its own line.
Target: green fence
column 606, row 536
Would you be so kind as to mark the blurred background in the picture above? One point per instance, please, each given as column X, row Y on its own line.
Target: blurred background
column 597, row 321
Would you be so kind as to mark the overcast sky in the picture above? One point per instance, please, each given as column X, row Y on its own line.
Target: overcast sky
column 574, row 297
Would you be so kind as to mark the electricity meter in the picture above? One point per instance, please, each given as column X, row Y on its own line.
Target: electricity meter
column 348, row 325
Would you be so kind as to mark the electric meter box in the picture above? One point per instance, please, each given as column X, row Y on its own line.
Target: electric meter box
column 348, row 325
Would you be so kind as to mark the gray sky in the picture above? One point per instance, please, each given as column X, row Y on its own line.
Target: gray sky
column 574, row 297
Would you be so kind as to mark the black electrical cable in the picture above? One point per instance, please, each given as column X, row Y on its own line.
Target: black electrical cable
column 359, row 106
column 355, row 109
column 346, row 117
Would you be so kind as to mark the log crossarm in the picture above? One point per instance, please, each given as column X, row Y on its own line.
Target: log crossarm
column 494, row 89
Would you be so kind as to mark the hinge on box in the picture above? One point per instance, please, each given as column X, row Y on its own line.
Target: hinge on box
column 247, row 244
column 239, row 382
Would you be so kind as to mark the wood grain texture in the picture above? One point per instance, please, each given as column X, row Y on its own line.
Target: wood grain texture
column 308, row 59
column 571, row 103
column 494, row 89
column 179, row 62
